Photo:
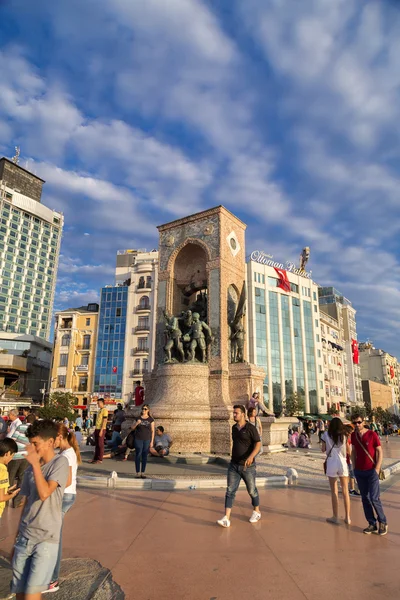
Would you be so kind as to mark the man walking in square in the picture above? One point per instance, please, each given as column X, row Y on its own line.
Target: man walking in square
column 100, row 432
column 246, row 446
column 366, row 456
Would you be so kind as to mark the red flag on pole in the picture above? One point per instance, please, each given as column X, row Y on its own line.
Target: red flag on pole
column 284, row 282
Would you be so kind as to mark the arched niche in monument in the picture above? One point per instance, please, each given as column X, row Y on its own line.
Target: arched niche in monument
column 190, row 280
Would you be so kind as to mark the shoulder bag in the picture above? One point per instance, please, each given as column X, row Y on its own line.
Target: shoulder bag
column 326, row 460
column 381, row 472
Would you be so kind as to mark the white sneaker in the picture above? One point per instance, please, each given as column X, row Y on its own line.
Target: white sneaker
column 256, row 516
column 225, row 522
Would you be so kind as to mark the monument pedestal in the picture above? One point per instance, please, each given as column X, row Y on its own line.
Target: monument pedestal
column 275, row 433
column 194, row 404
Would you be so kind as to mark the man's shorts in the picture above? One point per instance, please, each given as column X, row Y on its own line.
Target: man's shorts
column 42, row 557
column 166, row 450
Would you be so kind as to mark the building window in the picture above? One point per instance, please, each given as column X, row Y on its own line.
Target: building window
column 144, row 302
column 85, row 359
column 61, row 381
column 65, row 340
column 294, row 288
column 315, row 296
column 87, row 322
column 136, row 367
column 118, row 312
column 63, row 360
column 142, row 343
column 86, row 342
column 272, row 281
column 119, row 296
column 83, row 382
column 316, row 322
column 145, row 365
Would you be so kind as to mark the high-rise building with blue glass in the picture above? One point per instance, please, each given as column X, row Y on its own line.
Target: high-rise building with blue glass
column 110, row 352
column 284, row 336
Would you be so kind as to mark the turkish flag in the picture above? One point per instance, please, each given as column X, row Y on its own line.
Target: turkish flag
column 391, row 372
column 115, row 369
column 354, row 348
column 284, row 282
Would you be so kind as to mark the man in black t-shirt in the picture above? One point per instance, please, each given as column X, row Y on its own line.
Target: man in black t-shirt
column 246, row 446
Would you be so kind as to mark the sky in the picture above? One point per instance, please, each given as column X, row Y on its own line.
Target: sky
column 138, row 112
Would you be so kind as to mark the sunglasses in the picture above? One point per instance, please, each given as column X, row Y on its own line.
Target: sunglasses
column 144, row 409
column 357, row 422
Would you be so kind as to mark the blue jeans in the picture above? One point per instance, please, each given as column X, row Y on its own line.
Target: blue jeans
column 32, row 566
column 235, row 474
column 368, row 484
column 141, row 452
column 68, row 500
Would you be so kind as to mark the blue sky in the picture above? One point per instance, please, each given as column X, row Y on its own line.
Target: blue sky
column 137, row 112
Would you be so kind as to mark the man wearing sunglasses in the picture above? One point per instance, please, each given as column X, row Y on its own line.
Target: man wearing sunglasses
column 366, row 456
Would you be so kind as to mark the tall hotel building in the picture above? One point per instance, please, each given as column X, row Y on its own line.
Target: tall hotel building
column 333, row 303
column 126, row 336
column 284, row 333
column 30, row 237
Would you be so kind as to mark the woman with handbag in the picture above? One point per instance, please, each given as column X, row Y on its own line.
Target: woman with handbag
column 334, row 443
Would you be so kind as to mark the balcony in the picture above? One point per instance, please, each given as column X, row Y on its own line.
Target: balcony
column 13, row 362
column 143, row 308
column 142, row 328
column 140, row 350
column 83, row 347
column 82, row 368
column 136, row 372
column 143, row 287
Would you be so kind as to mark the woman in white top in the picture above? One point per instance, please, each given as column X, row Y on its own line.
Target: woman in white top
column 69, row 448
column 334, row 443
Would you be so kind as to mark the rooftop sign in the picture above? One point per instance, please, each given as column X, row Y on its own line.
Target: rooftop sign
column 267, row 259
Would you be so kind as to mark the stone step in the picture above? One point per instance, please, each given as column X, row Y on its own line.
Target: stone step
column 80, row 579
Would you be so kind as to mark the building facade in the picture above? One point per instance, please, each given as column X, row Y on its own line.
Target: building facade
column 75, row 336
column 334, row 363
column 30, row 238
column 139, row 270
column 111, row 337
column 333, row 303
column 25, row 362
column 379, row 395
column 284, row 333
column 381, row 367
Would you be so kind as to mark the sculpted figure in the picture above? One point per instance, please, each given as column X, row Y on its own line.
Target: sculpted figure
column 237, row 342
column 238, row 333
column 197, row 338
column 174, row 336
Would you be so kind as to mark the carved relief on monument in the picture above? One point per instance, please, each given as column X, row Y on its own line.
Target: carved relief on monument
column 236, row 313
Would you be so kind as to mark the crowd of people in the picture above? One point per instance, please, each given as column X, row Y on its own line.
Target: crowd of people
column 39, row 461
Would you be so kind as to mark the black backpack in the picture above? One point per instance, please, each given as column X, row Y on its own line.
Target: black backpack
column 130, row 440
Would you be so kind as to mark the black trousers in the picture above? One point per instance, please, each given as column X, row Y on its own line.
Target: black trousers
column 16, row 470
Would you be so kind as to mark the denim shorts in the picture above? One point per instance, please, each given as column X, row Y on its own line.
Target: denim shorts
column 32, row 566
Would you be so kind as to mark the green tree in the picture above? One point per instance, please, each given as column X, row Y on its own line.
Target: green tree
column 332, row 410
column 294, row 404
column 361, row 410
column 59, row 406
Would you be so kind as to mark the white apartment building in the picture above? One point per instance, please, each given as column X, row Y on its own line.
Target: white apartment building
column 139, row 270
column 334, row 362
column 380, row 366
column 333, row 303
column 30, row 238
column 284, row 332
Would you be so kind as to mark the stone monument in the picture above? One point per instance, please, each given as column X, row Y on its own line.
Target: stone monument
column 201, row 369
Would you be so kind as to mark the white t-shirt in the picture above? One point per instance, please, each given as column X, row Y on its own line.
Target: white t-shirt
column 338, row 451
column 72, row 462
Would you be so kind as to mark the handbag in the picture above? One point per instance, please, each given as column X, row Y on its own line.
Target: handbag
column 130, row 440
column 326, row 460
column 381, row 472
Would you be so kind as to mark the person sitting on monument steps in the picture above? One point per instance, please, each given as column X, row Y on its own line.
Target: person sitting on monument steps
column 246, row 446
column 162, row 443
column 256, row 402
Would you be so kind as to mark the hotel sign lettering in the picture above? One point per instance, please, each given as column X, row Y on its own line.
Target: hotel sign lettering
column 266, row 259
